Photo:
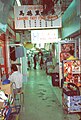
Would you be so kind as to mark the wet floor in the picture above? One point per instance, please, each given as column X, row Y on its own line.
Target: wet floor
column 41, row 102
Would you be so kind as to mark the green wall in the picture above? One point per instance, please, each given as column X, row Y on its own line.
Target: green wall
column 71, row 19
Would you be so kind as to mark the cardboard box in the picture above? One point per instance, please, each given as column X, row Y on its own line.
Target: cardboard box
column 1, row 104
column 7, row 88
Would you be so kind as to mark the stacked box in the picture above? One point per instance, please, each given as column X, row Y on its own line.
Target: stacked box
column 72, row 104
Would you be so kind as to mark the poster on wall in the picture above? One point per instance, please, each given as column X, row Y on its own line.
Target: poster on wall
column 65, row 47
column 66, row 50
column 71, row 71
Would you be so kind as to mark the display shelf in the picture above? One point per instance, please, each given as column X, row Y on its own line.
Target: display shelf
column 49, row 66
column 71, row 98
column 65, row 46
column 72, row 104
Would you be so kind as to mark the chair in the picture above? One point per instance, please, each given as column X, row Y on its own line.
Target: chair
column 21, row 95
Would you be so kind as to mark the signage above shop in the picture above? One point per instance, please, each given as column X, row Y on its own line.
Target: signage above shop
column 30, row 17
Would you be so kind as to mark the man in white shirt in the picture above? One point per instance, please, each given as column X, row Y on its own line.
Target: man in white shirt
column 16, row 78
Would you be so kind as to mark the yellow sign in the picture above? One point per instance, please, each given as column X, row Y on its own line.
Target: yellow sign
column 28, row 45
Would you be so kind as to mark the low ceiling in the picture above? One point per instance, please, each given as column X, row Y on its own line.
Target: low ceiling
column 49, row 7
column 49, row 3
column 53, row 7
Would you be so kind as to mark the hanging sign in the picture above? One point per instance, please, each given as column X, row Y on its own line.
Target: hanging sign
column 29, row 17
column 44, row 36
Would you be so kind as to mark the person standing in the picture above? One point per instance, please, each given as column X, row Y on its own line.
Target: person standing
column 29, row 61
column 41, row 62
column 35, row 61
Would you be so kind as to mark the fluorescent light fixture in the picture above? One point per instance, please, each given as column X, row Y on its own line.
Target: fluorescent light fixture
column 18, row 2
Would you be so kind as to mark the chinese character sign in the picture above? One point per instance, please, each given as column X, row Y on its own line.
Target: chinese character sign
column 29, row 17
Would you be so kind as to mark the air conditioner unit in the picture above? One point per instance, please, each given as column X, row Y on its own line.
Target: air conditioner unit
column 3, row 28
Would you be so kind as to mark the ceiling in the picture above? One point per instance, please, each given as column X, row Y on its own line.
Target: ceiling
column 49, row 5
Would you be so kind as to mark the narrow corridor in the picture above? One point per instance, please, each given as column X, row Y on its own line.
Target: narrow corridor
column 40, row 102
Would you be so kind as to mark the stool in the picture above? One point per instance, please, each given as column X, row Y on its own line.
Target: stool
column 21, row 95
column 18, row 92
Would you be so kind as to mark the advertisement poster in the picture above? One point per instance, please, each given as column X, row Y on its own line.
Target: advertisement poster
column 71, row 71
column 66, row 49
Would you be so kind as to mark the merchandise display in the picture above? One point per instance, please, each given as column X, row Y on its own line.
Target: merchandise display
column 8, row 107
column 5, row 108
column 55, row 79
column 66, row 49
column 49, row 66
column 71, row 99
column 71, row 71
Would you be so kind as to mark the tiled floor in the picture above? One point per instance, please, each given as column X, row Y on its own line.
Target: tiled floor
column 42, row 101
